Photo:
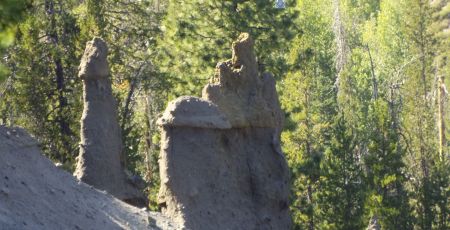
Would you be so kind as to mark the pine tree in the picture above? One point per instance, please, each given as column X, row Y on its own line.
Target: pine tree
column 11, row 12
column 441, row 180
column 343, row 165
column 410, row 50
column 197, row 35
column 308, row 98
column 385, row 168
column 44, row 91
column 342, row 189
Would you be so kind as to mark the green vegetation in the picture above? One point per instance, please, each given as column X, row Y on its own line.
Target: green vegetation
column 198, row 34
column 11, row 12
column 362, row 84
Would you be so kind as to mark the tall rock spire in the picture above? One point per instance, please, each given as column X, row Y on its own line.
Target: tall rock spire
column 99, row 161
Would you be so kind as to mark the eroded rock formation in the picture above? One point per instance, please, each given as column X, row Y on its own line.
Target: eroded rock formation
column 99, row 163
column 221, row 163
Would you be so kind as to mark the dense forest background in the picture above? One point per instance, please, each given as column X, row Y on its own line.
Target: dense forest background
column 362, row 84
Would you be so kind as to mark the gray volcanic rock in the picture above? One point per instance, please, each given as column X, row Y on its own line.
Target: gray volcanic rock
column 99, row 163
column 221, row 163
column 35, row 194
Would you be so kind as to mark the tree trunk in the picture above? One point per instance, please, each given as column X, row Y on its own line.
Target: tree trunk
column 64, row 128
column 374, row 79
column 310, row 199
column 442, row 95
column 341, row 43
column 149, row 147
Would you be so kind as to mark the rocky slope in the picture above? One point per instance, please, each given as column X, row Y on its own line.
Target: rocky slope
column 34, row 194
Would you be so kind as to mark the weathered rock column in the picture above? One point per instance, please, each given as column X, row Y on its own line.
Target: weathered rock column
column 221, row 164
column 99, row 162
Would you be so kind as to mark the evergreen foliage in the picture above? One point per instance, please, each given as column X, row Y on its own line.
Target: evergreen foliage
column 198, row 34
column 11, row 12
column 42, row 91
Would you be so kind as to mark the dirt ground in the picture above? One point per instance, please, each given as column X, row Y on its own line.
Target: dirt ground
column 35, row 194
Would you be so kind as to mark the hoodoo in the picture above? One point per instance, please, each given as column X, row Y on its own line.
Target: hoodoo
column 99, row 163
column 221, row 163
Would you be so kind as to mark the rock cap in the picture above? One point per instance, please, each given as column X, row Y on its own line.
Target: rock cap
column 193, row 112
column 94, row 64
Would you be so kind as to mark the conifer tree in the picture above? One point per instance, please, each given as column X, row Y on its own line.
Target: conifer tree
column 385, row 169
column 44, row 91
column 343, row 190
column 308, row 98
column 197, row 35
column 419, row 110
column 11, row 12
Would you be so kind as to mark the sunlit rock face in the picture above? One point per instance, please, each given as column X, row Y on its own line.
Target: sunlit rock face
column 99, row 163
column 221, row 163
